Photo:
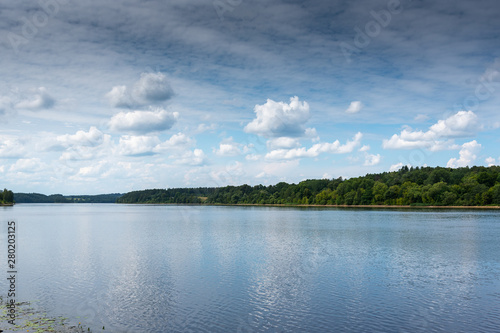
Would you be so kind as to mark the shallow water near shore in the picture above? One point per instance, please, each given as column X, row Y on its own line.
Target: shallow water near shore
column 143, row 268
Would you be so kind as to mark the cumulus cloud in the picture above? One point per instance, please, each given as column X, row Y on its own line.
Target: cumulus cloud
column 95, row 170
column 175, row 142
column 439, row 135
column 253, row 157
column 490, row 161
column 195, row 157
column 92, row 138
column 27, row 165
column 143, row 122
column 279, row 119
column 130, row 145
column 143, row 145
column 461, row 124
column 468, row 155
column 315, row 150
column 11, row 147
column 81, row 146
column 354, row 107
column 40, row 100
column 228, row 149
column 364, row 148
column 119, row 97
column 151, row 88
column 312, row 133
column 371, row 159
column 204, row 127
column 396, row 167
column 282, row 143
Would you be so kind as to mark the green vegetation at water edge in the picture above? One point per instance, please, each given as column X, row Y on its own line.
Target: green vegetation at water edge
column 6, row 197
column 475, row 186
column 27, row 318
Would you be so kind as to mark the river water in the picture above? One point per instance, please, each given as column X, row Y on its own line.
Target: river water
column 165, row 268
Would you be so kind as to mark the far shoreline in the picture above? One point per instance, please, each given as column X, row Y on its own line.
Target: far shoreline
column 318, row 206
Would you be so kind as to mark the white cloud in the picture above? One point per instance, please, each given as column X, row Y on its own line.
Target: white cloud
column 92, row 138
column 312, row 133
column 11, row 147
column 41, row 100
column 228, row 149
column 282, row 143
column 277, row 119
column 371, row 159
column 354, row 107
column 364, row 148
column 27, row 165
column 490, row 161
column 137, row 145
column 95, row 170
column 176, row 142
column 315, row 150
column 253, row 157
column 142, row 122
column 204, row 127
column 468, row 155
column 81, row 145
column 119, row 98
column 151, row 88
column 461, row 124
column 195, row 157
column 396, row 167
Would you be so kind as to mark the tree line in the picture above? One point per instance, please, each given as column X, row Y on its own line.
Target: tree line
column 59, row 198
column 436, row 186
column 6, row 197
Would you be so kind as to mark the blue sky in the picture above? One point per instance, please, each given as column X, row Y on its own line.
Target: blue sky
column 111, row 97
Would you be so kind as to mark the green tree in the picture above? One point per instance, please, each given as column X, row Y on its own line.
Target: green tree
column 7, row 196
column 379, row 190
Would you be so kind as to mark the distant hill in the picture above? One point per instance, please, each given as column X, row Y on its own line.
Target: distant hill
column 426, row 186
column 59, row 198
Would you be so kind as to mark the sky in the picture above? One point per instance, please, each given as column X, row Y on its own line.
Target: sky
column 114, row 96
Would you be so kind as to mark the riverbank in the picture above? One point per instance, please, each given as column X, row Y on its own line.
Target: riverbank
column 362, row 206
column 320, row 206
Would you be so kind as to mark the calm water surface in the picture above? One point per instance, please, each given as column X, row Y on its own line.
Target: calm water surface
column 136, row 268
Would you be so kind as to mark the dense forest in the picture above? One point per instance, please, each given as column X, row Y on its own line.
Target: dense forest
column 6, row 197
column 475, row 186
column 59, row 198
